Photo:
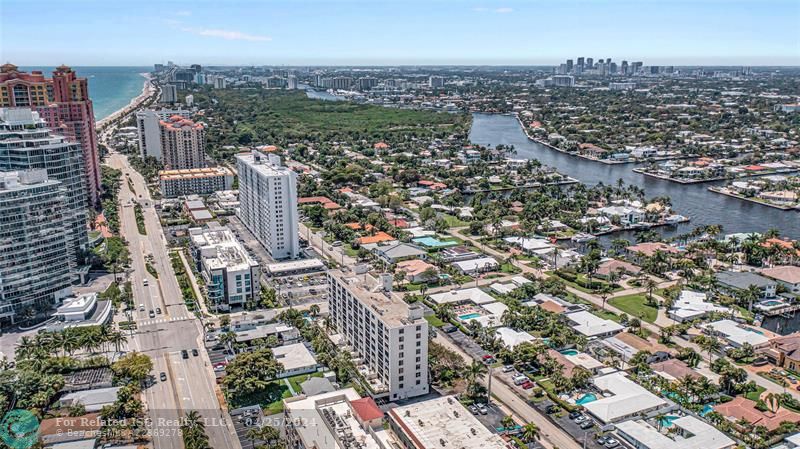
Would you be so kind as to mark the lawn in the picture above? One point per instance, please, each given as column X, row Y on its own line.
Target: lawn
column 454, row 222
column 754, row 395
column 295, row 381
column 635, row 306
column 606, row 314
column 434, row 321
column 270, row 399
column 509, row 268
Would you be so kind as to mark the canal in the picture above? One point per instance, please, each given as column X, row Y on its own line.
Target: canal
column 693, row 200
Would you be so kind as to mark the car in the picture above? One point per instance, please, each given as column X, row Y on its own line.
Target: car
column 611, row 443
column 158, row 310
column 152, row 314
column 473, row 409
column 579, row 419
column 601, row 439
column 141, row 307
column 163, row 376
column 195, row 353
column 145, row 282
column 482, row 409
column 219, row 367
column 574, row 414
column 184, row 354
column 336, row 243
column 588, row 424
column 508, row 368
column 792, row 380
column 527, row 385
column 520, row 379
column 761, row 361
column 552, row 408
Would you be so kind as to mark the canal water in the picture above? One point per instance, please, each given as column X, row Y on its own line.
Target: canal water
column 693, row 200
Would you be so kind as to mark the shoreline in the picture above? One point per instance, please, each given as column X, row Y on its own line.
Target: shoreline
column 686, row 181
column 148, row 89
column 726, row 192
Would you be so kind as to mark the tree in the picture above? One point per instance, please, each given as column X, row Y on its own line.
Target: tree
column 530, row 432
column 314, row 310
column 134, row 367
column 193, row 430
column 604, row 293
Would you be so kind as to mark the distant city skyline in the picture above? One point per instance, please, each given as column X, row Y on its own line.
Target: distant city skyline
column 356, row 32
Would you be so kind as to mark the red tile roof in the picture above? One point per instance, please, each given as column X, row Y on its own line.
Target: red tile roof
column 742, row 408
column 366, row 409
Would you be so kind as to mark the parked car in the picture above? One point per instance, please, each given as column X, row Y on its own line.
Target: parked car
column 152, row 314
column 163, row 376
column 579, row 419
column 611, row 443
column 574, row 414
column 527, row 385
column 482, row 409
column 184, row 354
column 760, row 361
column 195, row 353
column 601, row 439
column 520, row 379
column 588, row 424
column 508, row 368
column 158, row 310
column 473, row 409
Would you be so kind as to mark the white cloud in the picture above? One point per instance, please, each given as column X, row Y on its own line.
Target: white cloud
column 229, row 35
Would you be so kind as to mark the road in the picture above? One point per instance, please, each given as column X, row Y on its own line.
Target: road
column 190, row 383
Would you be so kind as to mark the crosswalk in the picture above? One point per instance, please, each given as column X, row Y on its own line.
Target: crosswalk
column 162, row 320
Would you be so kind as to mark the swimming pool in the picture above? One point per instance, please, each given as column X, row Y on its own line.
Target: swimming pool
column 569, row 352
column 586, row 398
column 708, row 408
column 433, row 242
column 770, row 303
column 667, row 420
column 469, row 316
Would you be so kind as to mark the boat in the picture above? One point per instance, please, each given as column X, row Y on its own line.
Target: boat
column 675, row 219
column 582, row 237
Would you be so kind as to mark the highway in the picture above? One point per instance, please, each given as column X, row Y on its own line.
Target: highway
column 190, row 383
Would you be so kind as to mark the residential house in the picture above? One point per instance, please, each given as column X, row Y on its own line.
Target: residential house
column 735, row 282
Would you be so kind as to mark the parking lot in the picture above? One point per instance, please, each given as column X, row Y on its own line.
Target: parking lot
column 244, row 419
column 301, row 289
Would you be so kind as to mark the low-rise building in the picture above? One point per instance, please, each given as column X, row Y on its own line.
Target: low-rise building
column 194, row 181
column 83, row 310
column 786, row 275
column 686, row 432
column 230, row 274
column 441, row 423
column 622, row 399
column 735, row 282
column 736, row 334
column 296, row 359
column 476, row 266
column 592, row 325
column 512, row 338
column 692, row 305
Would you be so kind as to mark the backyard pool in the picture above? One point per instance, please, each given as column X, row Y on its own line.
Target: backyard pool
column 569, row 352
column 433, row 242
column 586, row 398
column 469, row 316
column 708, row 408
column 667, row 420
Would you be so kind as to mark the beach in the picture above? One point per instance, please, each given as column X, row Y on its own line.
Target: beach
column 148, row 90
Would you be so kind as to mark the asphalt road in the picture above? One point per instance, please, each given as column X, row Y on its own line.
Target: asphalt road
column 190, row 383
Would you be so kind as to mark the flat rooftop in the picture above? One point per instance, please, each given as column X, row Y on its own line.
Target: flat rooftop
column 295, row 265
column 625, row 398
column 391, row 308
column 696, row 435
column 219, row 248
column 430, row 422
column 294, row 356
column 193, row 173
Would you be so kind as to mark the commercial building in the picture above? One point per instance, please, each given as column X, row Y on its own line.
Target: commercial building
column 34, row 261
column 26, row 143
column 147, row 124
column 686, row 432
column 83, row 310
column 183, row 143
column 63, row 102
column 230, row 274
column 436, row 82
column 388, row 337
column 268, row 202
column 338, row 419
column 441, row 423
column 194, row 181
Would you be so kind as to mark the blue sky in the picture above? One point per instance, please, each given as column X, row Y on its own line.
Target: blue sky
column 362, row 32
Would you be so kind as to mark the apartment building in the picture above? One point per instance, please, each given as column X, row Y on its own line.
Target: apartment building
column 34, row 261
column 388, row 336
column 26, row 143
column 230, row 274
column 183, row 143
column 148, row 126
column 268, row 202
column 194, row 181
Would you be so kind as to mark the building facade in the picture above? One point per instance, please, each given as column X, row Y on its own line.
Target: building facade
column 148, row 126
column 387, row 335
column 183, row 143
column 230, row 274
column 169, row 93
column 34, row 257
column 268, row 202
column 26, row 143
column 194, row 181
column 63, row 102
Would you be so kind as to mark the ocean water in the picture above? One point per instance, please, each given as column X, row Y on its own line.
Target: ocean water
column 110, row 88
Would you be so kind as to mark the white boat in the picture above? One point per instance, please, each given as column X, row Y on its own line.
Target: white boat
column 674, row 219
column 582, row 237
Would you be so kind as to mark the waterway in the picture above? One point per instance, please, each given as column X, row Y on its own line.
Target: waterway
column 692, row 200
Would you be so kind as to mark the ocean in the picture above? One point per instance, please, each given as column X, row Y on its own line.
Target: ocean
column 110, row 88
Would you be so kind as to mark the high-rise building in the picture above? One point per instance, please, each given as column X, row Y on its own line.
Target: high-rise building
column 169, row 93
column 268, row 202
column 388, row 335
column 26, row 143
column 34, row 255
column 148, row 125
column 436, row 82
column 563, row 80
column 291, row 82
column 624, row 68
column 569, row 65
column 367, row 83
column 580, row 62
column 183, row 143
column 589, row 63
column 342, row 82
column 63, row 102
column 220, row 82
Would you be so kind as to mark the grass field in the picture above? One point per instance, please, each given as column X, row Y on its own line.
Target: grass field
column 635, row 306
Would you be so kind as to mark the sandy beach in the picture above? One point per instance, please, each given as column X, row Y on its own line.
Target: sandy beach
column 147, row 91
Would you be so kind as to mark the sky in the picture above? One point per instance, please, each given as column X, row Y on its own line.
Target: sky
column 393, row 32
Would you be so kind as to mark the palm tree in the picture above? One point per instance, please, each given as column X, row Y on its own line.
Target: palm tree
column 507, row 422
column 530, row 432
column 650, row 285
column 660, row 420
column 314, row 310
column 117, row 338
column 604, row 293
